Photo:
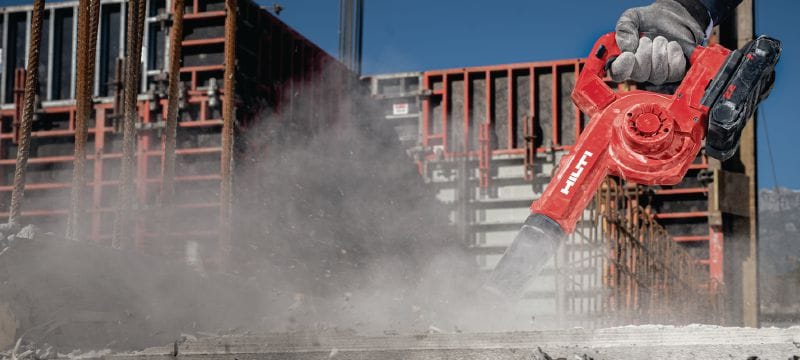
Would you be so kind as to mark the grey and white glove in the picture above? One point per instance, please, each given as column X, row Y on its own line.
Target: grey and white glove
column 669, row 35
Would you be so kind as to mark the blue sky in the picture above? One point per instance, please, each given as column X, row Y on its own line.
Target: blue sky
column 414, row 35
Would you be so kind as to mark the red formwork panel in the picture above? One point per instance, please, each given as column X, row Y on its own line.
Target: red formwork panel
column 275, row 66
column 524, row 109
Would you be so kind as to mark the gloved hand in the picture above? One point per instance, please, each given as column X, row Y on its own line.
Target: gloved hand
column 669, row 35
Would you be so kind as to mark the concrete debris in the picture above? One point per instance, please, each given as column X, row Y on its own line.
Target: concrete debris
column 434, row 329
column 24, row 350
column 28, row 232
column 9, row 233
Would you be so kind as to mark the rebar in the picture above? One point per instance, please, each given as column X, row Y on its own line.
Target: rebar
column 122, row 220
column 170, row 131
column 31, row 84
column 87, row 45
column 647, row 276
column 228, row 123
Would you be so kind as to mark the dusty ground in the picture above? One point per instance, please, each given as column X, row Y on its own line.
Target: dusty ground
column 630, row 342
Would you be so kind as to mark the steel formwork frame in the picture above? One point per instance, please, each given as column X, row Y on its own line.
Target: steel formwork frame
column 518, row 123
column 286, row 65
column 99, row 156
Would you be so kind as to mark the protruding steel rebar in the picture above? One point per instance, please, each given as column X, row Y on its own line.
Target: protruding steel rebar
column 228, row 122
column 175, row 39
column 31, row 84
column 122, row 221
column 88, row 12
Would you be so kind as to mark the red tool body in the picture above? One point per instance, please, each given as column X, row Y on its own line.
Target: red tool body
column 641, row 136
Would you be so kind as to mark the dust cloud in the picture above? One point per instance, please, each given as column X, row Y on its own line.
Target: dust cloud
column 343, row 224
column 334, row 231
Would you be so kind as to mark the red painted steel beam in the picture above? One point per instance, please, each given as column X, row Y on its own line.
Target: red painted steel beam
column 682, row 191
column 682, row 215
column 578, row 125
column 426, row 112
column 445, row 113
column 207, row 15
column 691, row 238
column 716, row 254
column 554, row 104
column 510, row 129
column 466, row 125
column 504, row 67
column 203, row 42
column 37, row 213
column 199, row 68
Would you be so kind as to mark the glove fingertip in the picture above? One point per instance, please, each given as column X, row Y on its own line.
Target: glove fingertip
column 622, row 67
column 627, row 30
column 627, row 39
column 643, row 56
column 676, row 61
column 660, row 66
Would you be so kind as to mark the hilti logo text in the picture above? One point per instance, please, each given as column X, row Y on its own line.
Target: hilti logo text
column 573, row 178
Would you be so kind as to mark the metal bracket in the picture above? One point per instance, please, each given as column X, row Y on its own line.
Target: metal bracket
column 152, row 126
column 164, row 19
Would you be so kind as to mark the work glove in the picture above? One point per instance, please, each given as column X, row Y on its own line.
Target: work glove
column 669, row 35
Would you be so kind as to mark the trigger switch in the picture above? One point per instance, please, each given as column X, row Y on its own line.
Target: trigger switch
column 601, row 51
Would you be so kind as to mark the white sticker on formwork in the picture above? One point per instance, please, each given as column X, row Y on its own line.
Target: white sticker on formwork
column 400, row 109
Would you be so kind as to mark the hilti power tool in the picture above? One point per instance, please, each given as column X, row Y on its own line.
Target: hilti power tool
column 645, row 137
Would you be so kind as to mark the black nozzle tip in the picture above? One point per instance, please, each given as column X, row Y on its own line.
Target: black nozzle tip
column 531, row 249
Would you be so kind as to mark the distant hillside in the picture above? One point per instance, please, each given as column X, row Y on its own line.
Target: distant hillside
column 779, row 231
column 779, row 258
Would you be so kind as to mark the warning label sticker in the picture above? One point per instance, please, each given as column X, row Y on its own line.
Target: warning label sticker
column 400, row 109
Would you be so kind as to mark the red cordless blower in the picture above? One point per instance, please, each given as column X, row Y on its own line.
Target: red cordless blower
column 645, row 137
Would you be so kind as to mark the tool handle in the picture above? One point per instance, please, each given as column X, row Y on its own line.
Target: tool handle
column 603, row 53
column 592, row 94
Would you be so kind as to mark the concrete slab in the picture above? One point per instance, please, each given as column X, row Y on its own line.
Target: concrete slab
column 630, row 342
